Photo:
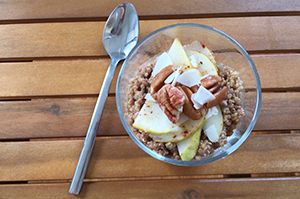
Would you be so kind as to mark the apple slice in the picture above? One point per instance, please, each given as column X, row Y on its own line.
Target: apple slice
column 213, row 126
column 188, row 148
column 197, row 46
column 179, row 57
column 180, row 132
column 152, row 119
column 202, row 63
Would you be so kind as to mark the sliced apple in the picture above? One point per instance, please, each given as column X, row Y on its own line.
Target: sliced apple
column 151, row 119
column 202, row 63
column 188, row 148
column 180, row 132
column 179, row 57
column 197, row 46
column 213, row 126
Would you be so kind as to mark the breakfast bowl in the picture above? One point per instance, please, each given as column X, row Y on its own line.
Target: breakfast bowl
column 188, row 94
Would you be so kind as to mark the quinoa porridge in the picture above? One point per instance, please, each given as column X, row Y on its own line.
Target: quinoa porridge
column 230, row 106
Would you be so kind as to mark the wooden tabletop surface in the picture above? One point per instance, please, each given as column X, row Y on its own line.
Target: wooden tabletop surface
column 52, row 64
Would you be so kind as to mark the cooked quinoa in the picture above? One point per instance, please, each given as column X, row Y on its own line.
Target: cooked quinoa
column 231, row 109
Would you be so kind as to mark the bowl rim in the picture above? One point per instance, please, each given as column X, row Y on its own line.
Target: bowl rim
column 222, row 154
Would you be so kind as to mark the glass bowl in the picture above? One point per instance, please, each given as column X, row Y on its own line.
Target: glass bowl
column 225, row 49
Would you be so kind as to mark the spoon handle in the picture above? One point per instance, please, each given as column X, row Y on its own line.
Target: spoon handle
column 92, row 131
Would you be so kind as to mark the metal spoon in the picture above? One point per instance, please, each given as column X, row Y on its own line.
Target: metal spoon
column 120, row 35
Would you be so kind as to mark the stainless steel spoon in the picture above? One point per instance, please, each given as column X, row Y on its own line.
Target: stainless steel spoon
column 120, row 35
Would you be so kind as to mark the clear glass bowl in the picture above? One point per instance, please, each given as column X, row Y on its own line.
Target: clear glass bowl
column 226, row 50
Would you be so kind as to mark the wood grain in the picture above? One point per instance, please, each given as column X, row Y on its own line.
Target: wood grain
column 43, row 78
column 274, row 116
column 278, row 72
column 56, row 118
column 83, row 39
column 47, row 9
column 257, row 188
column 46, row 118
column 51, row 40
column 121, row 158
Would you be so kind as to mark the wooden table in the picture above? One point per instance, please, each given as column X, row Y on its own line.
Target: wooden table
column 52, row 64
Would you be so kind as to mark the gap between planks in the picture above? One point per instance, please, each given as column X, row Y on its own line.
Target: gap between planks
column 63, row 138
column 126, row 136
column 153, row 17
column 155, row 178
column 76, row 58
column 48, row 97
column 20, row 10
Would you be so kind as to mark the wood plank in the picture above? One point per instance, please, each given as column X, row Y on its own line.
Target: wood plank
column 258, row 188
column 47, row 9
column 253, row 33
column 46, row 118
column 56, row 118
column 26, row 79
column 29, row 41
column 279, row 111
column 116, row 158
column 84, row 77
column 65, row 39
column 277, row 71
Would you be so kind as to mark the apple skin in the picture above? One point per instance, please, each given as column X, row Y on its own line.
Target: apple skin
column 188, row 148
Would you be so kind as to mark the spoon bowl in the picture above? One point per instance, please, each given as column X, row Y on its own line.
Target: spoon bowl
column 120, row 35
column 121, row 31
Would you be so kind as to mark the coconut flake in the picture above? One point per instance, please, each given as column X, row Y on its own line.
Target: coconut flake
column 211, row 111
column 163, row 61
column 149, row 97
column 211, row 133
column 205, row 76
column 170, row 78
column 214, row 110
column 195, row 103
column 177, row 73
column 211, row 72
column 189, row 78
column 203, row 96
